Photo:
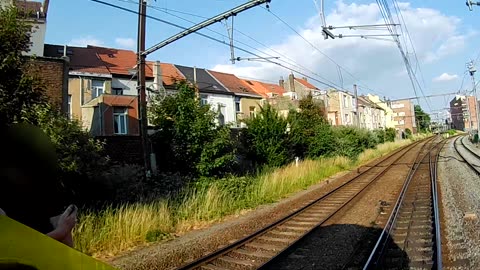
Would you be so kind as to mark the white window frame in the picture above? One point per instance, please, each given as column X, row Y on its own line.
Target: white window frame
column 238, row 108
column 97, row 90
column 122, row 117
column 203, row 99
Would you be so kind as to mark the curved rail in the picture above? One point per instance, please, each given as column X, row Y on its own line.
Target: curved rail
column 329, row 199
column 455, row 145
column 384, row 239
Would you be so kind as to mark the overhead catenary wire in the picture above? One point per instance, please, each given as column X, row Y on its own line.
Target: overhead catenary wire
column 219, row 41
column 313, row 46
column 387, row 16
column 289, row 61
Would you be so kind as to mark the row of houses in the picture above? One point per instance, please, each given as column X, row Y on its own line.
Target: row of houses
column 98, row 86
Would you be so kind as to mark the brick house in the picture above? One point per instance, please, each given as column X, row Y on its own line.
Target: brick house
column 464, row 114
column 404, row 115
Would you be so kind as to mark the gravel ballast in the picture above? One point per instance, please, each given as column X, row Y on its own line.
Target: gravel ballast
column 460, row 197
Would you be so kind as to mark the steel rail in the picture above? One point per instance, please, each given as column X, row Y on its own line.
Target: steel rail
column 455, row 146
column 383, row 239
column 436, row 206
column 219, row 253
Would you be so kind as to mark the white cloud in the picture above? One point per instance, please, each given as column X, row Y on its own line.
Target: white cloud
column 444, row 77
column 126, row 43
column 84, row 41
column 377, row 63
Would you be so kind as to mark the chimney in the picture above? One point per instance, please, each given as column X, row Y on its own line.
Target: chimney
column 157, row 76
column 305, row 78
column 281, row 82
column 291, row 81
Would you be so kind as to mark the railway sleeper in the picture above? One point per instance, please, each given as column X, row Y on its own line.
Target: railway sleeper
column 273, row 240
column 286, row 234
column 255, row 246
column 212, row 267
column 251, row 255
column 421, row 264
column 291, row 228
column 233, row 263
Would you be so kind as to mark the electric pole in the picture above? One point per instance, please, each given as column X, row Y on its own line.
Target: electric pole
column 142, row 99
column 472, row 70
column 357, row 115
column 142, row 54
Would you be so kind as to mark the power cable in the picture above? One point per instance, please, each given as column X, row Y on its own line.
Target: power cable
column 292, row 62
column 216, row 40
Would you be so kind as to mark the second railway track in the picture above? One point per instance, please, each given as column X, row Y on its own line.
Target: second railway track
column 470, row 157
column 259, row 248
column 411, row 239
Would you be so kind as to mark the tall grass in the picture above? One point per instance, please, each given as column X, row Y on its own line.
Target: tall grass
column 115, row 230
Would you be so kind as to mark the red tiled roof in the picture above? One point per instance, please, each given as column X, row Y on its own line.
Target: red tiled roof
column 306, row 83
column 264, row 89
column 118, row 61
column 233, row 83
column 170, row 74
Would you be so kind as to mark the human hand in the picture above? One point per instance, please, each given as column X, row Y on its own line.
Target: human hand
column 67, row 220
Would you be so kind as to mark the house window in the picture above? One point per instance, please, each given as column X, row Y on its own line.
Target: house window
column 97, row 88
column 69, row 109
column 401, row 114
column 345, row 101
column 120, row 120
column 117, row 91
column 237, row 104
column 204, row 99
column 252, row 111
column 347, row 118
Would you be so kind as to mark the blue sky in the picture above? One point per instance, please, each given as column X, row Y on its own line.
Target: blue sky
column 443, row 32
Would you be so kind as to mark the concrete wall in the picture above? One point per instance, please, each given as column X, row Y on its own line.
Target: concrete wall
column 37, row 38
column 228, row 101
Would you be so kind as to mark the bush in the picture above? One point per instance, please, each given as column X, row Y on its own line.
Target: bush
column 408, row 133
column 390, row 134
column 379, row 135
column 188, row 139
column 266, row 139
column 350, row 142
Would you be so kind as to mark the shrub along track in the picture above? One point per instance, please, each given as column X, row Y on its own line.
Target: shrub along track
column 259, row 248
column 412, row 236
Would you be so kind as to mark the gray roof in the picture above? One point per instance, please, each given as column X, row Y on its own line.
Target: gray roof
column 205, row 82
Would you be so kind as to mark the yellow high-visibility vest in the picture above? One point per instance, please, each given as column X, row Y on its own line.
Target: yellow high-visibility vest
column 22, row 245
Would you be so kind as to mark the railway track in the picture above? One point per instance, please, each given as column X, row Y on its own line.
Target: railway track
column 261, row 247
column 471, row 158
column 411, row 238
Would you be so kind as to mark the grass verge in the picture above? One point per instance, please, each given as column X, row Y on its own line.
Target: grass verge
column 114, row 230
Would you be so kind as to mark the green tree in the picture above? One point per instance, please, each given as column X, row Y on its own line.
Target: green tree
column 310, row 133
column 19, row 89
column 267, row 141
column 422, row 119
column 390, row 134
column 188, row 138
